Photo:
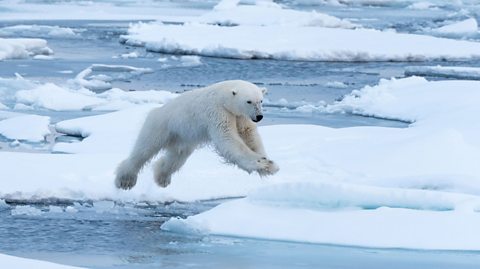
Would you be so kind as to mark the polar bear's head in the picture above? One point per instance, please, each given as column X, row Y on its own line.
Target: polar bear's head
column 243, row 98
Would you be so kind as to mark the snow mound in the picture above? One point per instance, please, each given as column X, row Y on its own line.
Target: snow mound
column 457, row 72
column 422, row 6
column 255, row 15
column 32, row 128
column 42, row 31
column 412, row 99
column 51, row 96
column 296, row 43
column 18, row 48
column 97, row 131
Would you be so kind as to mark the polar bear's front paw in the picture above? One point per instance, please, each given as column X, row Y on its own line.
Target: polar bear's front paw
column 126, row 181
column 266, row 167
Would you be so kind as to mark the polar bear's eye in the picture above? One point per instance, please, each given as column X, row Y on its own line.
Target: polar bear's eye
column 249, row 102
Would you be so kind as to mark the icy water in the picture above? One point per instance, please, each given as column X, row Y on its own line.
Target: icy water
column 104, row 235
column 108, row 235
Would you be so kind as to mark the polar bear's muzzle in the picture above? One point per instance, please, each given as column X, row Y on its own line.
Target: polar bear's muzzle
column 258, row 118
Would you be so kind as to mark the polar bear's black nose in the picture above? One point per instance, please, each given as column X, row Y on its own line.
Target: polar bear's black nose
column 259, row 118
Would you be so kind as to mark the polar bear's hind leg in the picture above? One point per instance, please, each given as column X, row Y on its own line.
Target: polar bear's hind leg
column 170, row 163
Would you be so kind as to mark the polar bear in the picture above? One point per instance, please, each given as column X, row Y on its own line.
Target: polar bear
column 223, row 114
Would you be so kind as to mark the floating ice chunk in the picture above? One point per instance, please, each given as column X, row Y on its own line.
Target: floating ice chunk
column 37, row 31
column 71, row 209
column 31, row 128
column 3, row 204
column 17, row 48
column 190, row 60
column 65, row 72
column 336, row 85
column 138, row 97
column 130, row 55
column 43, row 57
column 15, row 143
column 422, row 6
column 458, row 72
column 91, row 84
column 26, row 210
column 51, row 96
column 103, row 206
column 296, row 43
column 96, row 84
column 55, row 209
column 20, row 106
column 465, row 27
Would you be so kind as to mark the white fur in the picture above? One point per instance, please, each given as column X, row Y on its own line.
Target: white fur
column 222, row 114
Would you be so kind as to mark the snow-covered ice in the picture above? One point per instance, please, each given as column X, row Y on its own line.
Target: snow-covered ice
column 21, row 93
column 255, row 15
column 39, row 31
column 32, row 128
column 296, row 43
column 17, row 48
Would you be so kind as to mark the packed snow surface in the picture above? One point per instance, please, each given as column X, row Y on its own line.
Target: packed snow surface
column 288, row 42
column 18, row 48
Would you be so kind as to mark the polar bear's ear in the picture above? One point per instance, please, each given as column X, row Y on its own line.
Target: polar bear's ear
column 264, row 90
column 234, row 92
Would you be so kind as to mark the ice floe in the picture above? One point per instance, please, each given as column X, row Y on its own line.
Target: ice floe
column 39, row 31
column 32, row 128
column 296, row 43
column 102, row 82
column 17, row 48
column 24, row 94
